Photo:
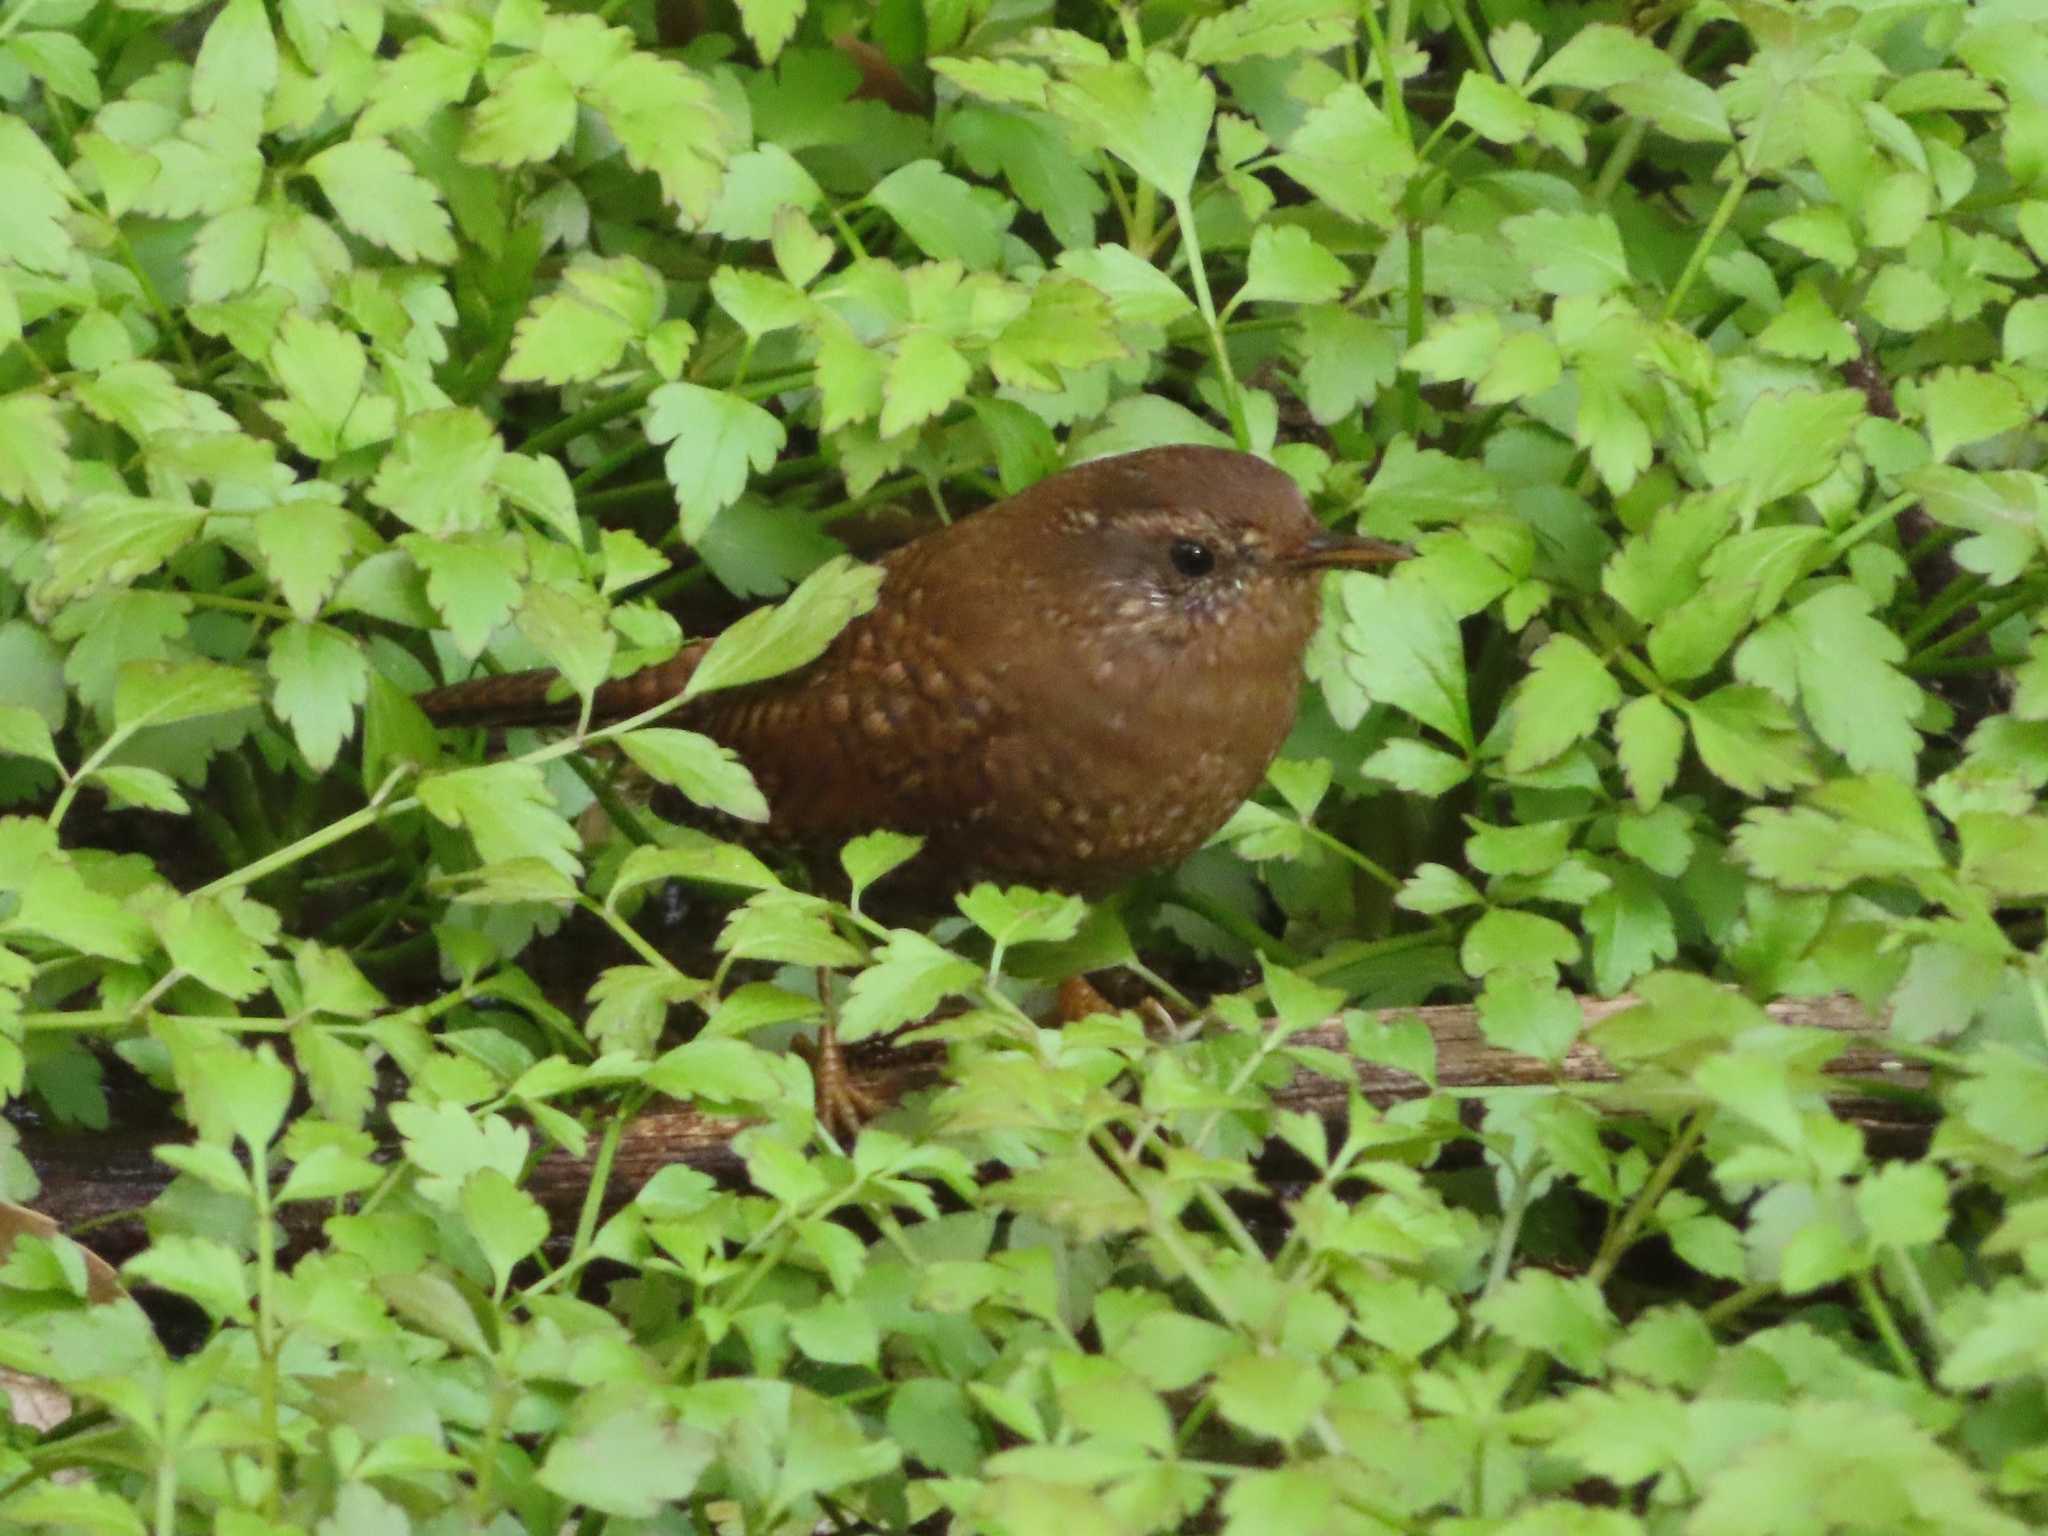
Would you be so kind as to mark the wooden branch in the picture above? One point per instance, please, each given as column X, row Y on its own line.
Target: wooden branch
column 93, row 1175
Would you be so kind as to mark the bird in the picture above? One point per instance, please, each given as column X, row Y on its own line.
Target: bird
column 1068, row 689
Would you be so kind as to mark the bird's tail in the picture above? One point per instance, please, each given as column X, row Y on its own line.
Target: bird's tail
column 542, row 698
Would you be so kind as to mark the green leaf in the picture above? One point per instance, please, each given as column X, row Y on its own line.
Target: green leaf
column 529, row 115
column 1685, row 108
column 567, row 625
column 1346, row 360
column 2005, row 510
column 1409, row 765
column 222, row 942
column 624, row 1453
column 926, row 375
column 508, row 812
column 945, row 217
column 438, row 476
column 1349, row 156
column 507, row 1223
column 1567, row 691
column 1288, row 266
column 1271, row 29
column 2005, row 855
column 198, row 1268
column 24, row 734
column 236, row 69
column 319, row 678
column 771, row 641
column 668, row 118
column 1494, row 110
column 714, row 439
column 911, row 976
column 801, row 250
column 1019, row 915
column 770, row 24
column 163, row 693
column 1630, row 928
column 1435, row 888
column 1154, row 118
column 381, row 197
column 1569, row 254
column 760, row 303
column 1519, row 942
column 687, row 854
column 1529, row 1015
column 432, row 1302
column 1140, row 293
column 710, row 775
column 581, row 329
column 473, row 581
column 1273, row 1396
column 323, row 369
column 762, row 185
column 1029, row 152
column 304, row 546
column 1848, row 830
column 1401, row 645
column 1025, row 450
column 790, row 928
column 34, row 466
column 1967, row 405
column 1564, row 1318
column 1840, row 664
column 1904, row 1205
column 110, row 540
column 62, row 63
column 874, row 854
column 1649, row 738
column 1746, row 738
column 1786, row 442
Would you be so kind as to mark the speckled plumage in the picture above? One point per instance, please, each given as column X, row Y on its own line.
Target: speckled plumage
column 1041, row 690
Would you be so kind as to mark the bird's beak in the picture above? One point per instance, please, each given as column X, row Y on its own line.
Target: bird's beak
column 1329, row 551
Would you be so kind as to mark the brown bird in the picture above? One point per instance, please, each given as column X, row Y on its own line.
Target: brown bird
column 1069, row 688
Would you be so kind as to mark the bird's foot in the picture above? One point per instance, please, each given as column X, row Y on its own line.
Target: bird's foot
column 1078, row 997
column 842, row 1105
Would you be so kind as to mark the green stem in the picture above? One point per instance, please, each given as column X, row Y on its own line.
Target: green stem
column 1984, row 623
column 1952, row 599
column 628, row 934
column 1695, row 263
column 1887, row 1326
column 1958, row 666
column 1735, row 1303
column 621, row 814
column 1417, row 304
column 1623, row 1237
column 591, row 417
column 313, row 842
column 1390, row 90
column 1344, row 850
column 1191, row 244
column 1238, row 926
column 1855, row 533
column 1631, row 141
column 1510, row 1234
column 266, row 1329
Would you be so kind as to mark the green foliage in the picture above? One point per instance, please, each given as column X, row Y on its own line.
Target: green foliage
column 345, row 348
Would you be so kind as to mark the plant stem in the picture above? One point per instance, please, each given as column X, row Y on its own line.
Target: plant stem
column 1191, row 244
column 1623, row 1237
column 1696, row 262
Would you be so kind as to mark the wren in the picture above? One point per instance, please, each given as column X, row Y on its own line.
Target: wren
column 1068, row 689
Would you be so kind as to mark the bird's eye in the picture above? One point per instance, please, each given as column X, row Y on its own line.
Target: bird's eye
column 1191, row 557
